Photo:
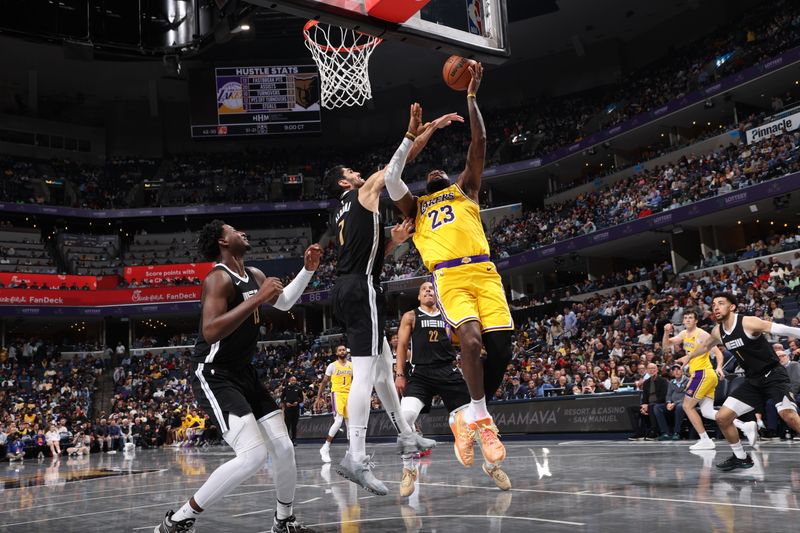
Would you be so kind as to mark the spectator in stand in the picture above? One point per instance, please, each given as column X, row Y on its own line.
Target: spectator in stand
column 674, row 406
column 53, row 439
column 654, row 397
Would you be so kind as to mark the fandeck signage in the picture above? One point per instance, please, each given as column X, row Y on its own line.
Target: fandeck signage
column 99, row 298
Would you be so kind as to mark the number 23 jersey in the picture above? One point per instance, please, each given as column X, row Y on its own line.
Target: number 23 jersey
column 448, row 226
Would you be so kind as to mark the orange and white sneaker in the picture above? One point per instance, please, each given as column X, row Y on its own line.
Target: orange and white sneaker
column 488, row 435
column 464, row 441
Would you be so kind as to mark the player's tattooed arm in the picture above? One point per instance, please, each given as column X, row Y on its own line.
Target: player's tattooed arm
column 470, row 179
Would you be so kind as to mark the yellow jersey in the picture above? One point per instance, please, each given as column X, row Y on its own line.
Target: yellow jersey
column 448, row 226
column 702, row 362
column 341, row 376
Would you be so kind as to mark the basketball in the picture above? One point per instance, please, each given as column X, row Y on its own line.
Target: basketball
column 456, row 72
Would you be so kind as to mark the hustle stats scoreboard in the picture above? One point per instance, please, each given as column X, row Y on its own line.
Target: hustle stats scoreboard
column 255, row 100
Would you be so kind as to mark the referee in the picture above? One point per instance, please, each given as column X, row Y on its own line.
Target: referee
column 291, row 398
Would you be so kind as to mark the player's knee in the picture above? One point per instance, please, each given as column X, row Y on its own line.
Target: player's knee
column 471, row 345
column 725, row 416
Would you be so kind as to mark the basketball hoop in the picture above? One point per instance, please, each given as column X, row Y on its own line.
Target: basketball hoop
column 342, row 56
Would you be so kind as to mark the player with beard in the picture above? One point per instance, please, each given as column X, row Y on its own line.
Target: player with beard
column 225, row 383
column 340, row 375
column 433, row 372
column 450, row 238
column 359, row 303
column 765, row 377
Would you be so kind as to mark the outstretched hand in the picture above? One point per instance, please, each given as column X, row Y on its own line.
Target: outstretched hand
column 477, row 75
column 402, row 231
column 415, row 119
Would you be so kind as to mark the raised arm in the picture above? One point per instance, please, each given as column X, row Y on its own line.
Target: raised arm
column 292, row 292
column 403, row 340
column 706, row 343
column 753, row 324
column 677, row 339
column 218, row 320
column 419, row 134
column 470, row 179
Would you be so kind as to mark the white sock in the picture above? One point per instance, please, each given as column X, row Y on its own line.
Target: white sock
column 738, row 451
column 326, row 446
column 738, row 423
column 477, row 410
column 704, row 436
column 408, row 461
column 187, row 511
column 761, row 424
column 358, row 443
column 283, row 510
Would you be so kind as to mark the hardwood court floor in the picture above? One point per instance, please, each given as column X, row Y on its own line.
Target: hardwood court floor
column 592, row 486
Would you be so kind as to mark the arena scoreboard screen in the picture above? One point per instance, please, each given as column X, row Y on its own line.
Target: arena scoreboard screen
column 255, row 100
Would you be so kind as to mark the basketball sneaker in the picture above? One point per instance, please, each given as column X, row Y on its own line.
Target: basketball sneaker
column 325, row 453
column 168, row 526
column 497, row 474
column 464, row 436
column 703, row 444
column 407, row 481
column 750, row 431
column 733, row 462
column 412, row 443
column 487, row 434
column 360, row 473
column 288, row 525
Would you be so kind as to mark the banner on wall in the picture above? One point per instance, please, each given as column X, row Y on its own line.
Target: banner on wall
column 158, row 273
column 52, row 280
column 100, row 298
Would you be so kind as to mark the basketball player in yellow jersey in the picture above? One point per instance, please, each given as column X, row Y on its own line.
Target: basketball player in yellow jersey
column 703, row 379
column 340, row 375
column 450, row 238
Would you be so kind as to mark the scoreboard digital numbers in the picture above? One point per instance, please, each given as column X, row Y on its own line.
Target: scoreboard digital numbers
column 267, row 100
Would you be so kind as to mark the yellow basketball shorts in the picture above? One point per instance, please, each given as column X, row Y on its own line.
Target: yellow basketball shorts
column 702, row 385
column 472, row 291
column 339, row 403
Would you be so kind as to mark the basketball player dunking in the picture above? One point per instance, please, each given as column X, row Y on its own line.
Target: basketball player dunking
column 450, row 238
column 765, row 377
column 433, row 372
column 704, row 380
column 340, row 375
column 358, row 303
column 226, row 385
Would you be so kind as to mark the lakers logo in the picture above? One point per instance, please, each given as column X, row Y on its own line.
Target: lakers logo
column 229, row 98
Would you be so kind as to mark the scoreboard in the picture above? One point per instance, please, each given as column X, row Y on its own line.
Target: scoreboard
column 258, row 100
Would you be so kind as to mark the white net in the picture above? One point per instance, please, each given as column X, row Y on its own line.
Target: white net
column 342, row 56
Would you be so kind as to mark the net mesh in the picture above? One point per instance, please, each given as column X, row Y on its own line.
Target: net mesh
column 342, row 56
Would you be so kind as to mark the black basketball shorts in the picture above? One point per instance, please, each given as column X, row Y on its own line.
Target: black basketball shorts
column 446, row 381
column 221, row 391
column 754, row 392
column 360, row 306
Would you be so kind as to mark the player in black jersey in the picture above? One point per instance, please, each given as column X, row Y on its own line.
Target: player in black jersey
column 765, row 377
column 225, row 384
column 358, row 303
column 433, row 372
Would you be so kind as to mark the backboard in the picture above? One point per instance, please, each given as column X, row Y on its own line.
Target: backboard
column 471, row 28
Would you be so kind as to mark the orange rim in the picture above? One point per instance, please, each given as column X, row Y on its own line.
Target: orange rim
column 373, row 41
